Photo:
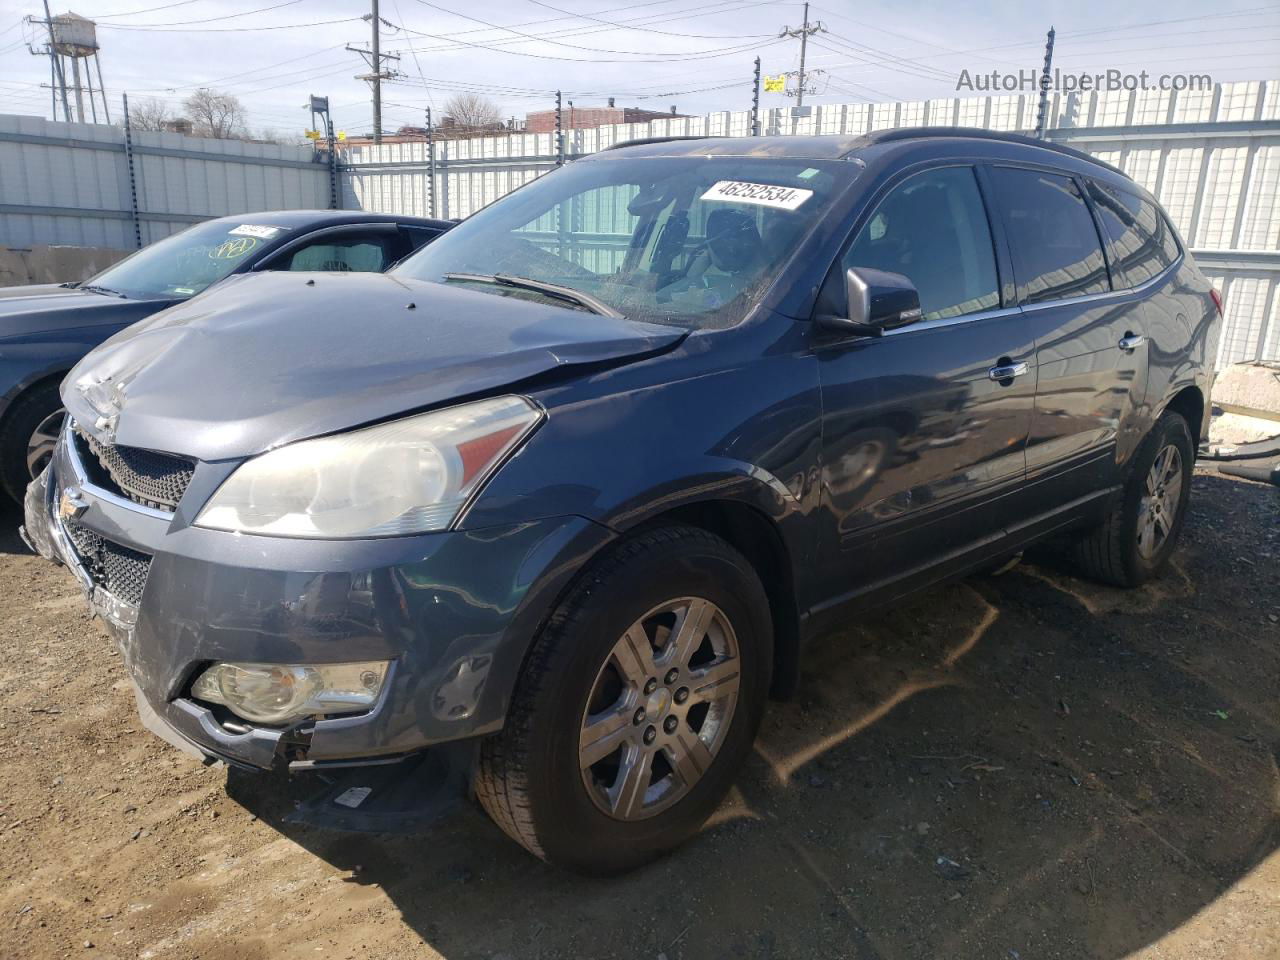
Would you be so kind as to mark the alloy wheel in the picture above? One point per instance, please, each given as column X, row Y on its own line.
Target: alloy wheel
column 43, row 439
column 660, row 709
column 1158, row 508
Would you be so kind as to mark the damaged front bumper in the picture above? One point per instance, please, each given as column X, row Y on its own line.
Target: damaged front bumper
column 453, row 612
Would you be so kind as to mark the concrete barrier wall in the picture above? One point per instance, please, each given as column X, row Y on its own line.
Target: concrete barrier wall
column 45, row 264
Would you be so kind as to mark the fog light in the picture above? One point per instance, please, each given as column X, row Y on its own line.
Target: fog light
column 282, row 692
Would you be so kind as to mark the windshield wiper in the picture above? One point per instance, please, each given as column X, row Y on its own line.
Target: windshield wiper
column 550, row 289
column 105, row 290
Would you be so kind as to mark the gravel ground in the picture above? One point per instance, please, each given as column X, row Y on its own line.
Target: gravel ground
column 1027, row 766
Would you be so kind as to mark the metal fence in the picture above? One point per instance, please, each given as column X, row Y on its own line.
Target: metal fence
column 90, row 185
column 1211, row 156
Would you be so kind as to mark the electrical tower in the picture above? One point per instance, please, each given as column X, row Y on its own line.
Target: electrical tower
column 375, row 58
column 804, row 32
column 73, row 40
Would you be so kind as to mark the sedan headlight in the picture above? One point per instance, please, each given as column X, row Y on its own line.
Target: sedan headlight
column 277, row 693
column 407, row 476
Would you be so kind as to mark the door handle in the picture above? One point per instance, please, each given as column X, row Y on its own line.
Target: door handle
column 1132, row 341
column 1007, row 371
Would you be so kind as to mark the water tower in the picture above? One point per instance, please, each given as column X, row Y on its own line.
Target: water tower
column 73, row 58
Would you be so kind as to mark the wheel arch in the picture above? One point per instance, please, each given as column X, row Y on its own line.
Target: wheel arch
column 754, row 534
column 24, row 386
column 1190, row 403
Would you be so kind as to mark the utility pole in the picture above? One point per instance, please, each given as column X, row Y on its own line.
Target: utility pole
column 431, row 166
column 1046, row 80
column 375, row 58
column 377, row 74
column 559, row 130
column 755, row 101
column 57, row 65
column 804, row 33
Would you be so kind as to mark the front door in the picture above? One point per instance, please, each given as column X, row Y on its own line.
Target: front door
column 925, row 427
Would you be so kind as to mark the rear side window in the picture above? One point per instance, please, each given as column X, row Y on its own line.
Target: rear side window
column 1139, row 241
column 933, row 230
column 1056, row 253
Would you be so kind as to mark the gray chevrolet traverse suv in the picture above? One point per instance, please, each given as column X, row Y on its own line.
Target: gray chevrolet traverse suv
column 543, row 514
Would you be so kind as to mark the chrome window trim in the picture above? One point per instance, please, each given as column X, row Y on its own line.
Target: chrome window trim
column 83, row 482
column 1009, row 311
column 953, row 321
column 1140, row 288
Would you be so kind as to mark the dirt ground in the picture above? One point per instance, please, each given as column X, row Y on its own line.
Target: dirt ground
column 1021, row 767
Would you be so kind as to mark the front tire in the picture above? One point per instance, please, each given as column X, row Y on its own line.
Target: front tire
column 1139, row 535
column 638, row 704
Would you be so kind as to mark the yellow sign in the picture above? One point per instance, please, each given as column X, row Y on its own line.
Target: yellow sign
column 233, row 249
column 313, row 134
column 776, row 84
column 342, row 134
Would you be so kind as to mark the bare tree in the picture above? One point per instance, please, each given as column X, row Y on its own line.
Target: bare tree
column 149, row 114
column 472, row 111
column 217, row 115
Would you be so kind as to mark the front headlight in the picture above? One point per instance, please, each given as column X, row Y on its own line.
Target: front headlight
column 407, row 476
column 277, row 693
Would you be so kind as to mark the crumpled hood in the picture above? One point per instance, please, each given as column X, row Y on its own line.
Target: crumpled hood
column 265, row 359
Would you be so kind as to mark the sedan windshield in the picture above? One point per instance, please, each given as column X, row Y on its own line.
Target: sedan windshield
column 186, row 263
column 691, row 241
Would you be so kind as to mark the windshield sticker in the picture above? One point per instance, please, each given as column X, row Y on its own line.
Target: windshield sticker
column 233, row 249
column 252, row 230
column 811, row 172
column 760, row 194
column 185, row 291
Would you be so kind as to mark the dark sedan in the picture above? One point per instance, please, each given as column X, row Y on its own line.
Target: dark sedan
column 46, row 328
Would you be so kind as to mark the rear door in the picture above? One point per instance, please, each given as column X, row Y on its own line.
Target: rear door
column 1090, row 353
column 923, row 439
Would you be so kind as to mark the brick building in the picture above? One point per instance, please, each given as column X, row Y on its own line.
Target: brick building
column 544, row 121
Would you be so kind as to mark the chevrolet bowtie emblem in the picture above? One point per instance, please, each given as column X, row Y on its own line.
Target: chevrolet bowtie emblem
column 71, row 504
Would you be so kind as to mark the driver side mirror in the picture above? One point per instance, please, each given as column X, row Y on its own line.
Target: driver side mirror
column 877, row 301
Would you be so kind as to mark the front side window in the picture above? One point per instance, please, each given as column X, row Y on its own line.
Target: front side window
column 933, row 230
column 1055, row 247
column 691, row 241
column 1139, row 243
column 186, row 263
column 355, row 254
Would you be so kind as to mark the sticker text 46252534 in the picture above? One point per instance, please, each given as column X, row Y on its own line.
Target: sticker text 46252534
column 760, row 194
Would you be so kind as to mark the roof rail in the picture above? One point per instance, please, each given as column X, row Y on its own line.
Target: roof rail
column 646, row 140
column 978, row 133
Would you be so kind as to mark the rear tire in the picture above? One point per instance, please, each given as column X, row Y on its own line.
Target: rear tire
column 31, row 426
column 546, row 778
column 1140, row 533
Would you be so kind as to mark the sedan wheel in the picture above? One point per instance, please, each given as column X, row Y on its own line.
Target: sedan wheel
column 659, row 709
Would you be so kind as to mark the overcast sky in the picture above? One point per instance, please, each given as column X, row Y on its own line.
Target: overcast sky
column 654, row 53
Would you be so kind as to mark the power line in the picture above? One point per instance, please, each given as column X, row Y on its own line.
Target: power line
column 283, row 26
column 669, row 33
column 134, row 13
column 559, row 43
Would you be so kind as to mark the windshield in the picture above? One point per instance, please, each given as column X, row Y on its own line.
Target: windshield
column 691, row 241
column 186, row 263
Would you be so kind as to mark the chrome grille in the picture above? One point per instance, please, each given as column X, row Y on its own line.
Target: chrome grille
column 119, row 570
column 144, row 476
